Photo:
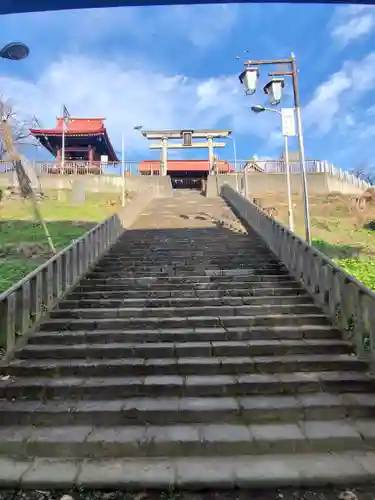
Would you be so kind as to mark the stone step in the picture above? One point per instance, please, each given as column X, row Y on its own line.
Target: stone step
column 183, row 302
column 187, row 410
column 149, row 257
column 100, row 323
column 223, row 439
column 292, row 290
column 199, row 281
column 185, row 349
column 185, row 272
column 174, row 285
column 186, row 312
column 234, row 260
column 185, row 265
column 317, row 333
column 225, row 365
column 208, row 241
column 193, row 472
column 105, row 388
column 220, row 249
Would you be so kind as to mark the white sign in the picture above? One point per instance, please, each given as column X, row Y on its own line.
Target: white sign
column 104, row 158
column 288, row 122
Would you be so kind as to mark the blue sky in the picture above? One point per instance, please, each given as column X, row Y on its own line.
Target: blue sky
column 176, row 67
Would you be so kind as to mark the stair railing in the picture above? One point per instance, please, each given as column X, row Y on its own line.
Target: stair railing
column 22, row 306
column 349, row 303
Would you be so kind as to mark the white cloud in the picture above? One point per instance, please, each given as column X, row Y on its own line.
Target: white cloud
column 333, row 99
column 199, row 25
column 128, row 94
column 352, row 22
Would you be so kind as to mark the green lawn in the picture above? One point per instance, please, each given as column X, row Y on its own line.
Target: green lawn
column 362, row 266
column 23, row 246
column 363, row 270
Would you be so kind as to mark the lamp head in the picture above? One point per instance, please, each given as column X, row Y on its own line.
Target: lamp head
column 15, row 51
column 258, row 109
column 274, row 90
column 248, row 79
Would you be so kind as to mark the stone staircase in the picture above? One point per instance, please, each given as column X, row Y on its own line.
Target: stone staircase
column 188, row 357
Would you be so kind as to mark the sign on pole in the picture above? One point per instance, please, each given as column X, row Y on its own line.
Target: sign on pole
column 288, row 122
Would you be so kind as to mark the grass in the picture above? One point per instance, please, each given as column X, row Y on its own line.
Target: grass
column 339, row 230
column 23, row 246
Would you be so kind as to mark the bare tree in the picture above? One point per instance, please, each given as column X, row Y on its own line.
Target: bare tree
column 19, row 126
column 365, row 172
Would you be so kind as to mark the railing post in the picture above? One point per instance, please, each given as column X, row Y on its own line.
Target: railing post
column 8, row 321
column 35, row 297
column 23, row 308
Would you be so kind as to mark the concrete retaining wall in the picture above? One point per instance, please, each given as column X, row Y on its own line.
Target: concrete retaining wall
column 160, row 186
column 260, row 184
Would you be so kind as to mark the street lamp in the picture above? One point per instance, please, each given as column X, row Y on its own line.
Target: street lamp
column 136, row 127
column 260, row 109
column 273, row 89
column 15, row 51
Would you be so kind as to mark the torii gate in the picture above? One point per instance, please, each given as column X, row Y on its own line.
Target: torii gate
column 187, row 137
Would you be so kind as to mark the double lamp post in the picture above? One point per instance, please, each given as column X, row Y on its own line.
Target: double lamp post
column 273, row 90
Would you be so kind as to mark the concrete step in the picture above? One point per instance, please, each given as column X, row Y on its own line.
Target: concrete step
column 193, row 472
column 142, row 411
column 190, row 257
column 151, row 350
column 222, row 439
column 151, row 293
column 225, row 365
column 108, row 387
column 176, row 285
column 186, row 312
column 209, row 241
column 185, row 266
column 183, row 302
column 317, row 333
column 99, row 323
column 235, row 262
column 193, row 272
column 199, row 280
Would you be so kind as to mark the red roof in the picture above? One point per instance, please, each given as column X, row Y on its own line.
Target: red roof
column 77, row 127
column 183, row 166
column 88, row 126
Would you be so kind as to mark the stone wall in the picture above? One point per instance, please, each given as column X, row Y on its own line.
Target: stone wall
column 261, row 184
column 159, row 185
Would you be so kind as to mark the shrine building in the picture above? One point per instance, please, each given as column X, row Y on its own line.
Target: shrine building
column 86, row 140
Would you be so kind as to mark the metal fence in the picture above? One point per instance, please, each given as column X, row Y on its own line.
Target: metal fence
column 152, row 168
column 312, row 167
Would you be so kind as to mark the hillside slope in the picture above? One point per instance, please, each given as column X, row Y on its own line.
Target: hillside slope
column 343, row 228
